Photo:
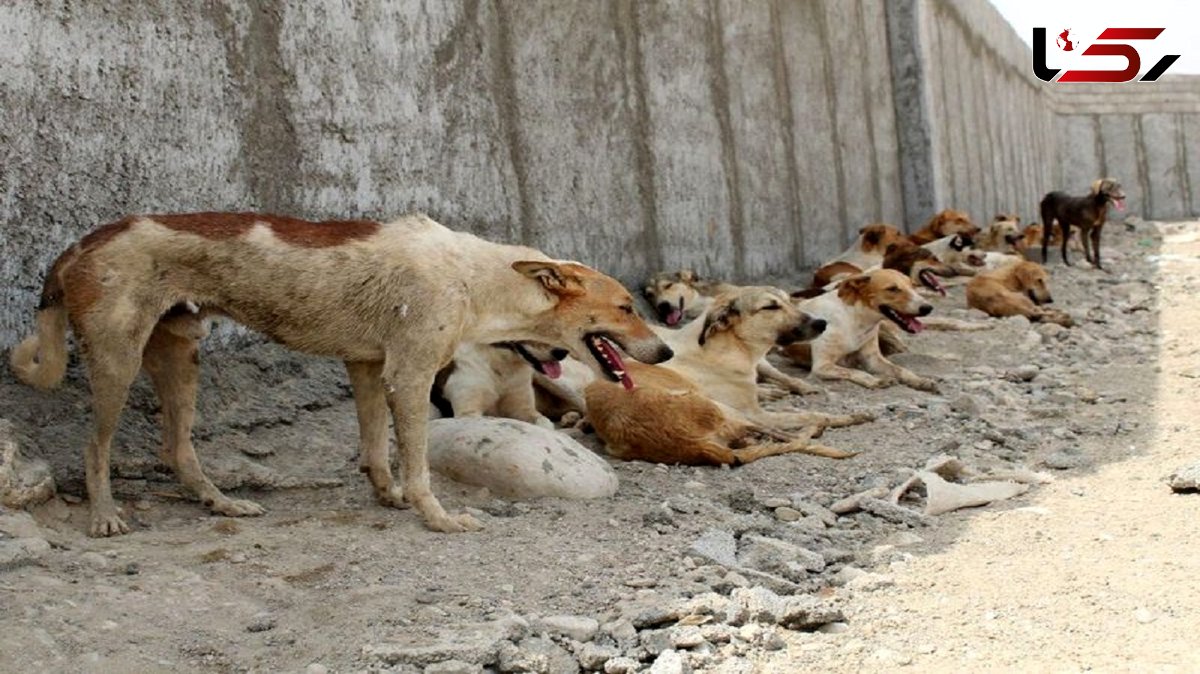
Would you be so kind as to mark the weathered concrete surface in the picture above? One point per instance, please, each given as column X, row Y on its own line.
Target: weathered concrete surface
column 741, row 139
column 717, row 134
column 1146, row 136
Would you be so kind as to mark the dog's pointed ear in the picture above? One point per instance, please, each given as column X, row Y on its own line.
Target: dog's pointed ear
column 1097, row 185
column 554, row 276
column 871, row 235
column 721, row 317
column 688, row 276
column 851, row 289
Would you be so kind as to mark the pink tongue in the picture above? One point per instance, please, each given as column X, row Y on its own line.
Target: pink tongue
column 932, row 280
column 674, row 316
column 615, row 359
column 914, row 324
column 1120, row 204
column 552, row 368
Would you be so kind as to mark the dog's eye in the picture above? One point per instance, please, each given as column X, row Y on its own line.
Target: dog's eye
column 627, row 308
column 772, row 307
column 670, row 284
column 894, row 289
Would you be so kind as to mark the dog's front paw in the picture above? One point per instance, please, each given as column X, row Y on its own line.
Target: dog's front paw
column 233, row 507
column 877, row 382
column 570, row 419
column 392, row 498
column 771, row 393
column 543, row 422
column 803, row 388
column 454, row 524
column 105, row 524
column 923, row 384
column 861, row 417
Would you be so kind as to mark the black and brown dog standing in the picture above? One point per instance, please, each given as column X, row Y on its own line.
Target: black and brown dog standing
column 1088, row 213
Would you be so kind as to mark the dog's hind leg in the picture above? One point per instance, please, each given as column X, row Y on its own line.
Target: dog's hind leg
column 763, row 450
column 113, row 361
column 366, row 379
column 803, row 419
column 172, row 361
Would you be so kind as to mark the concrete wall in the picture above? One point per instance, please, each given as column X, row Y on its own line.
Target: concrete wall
column 988, row 120
column 744, row 139
column 713, row 133
column 1146, row 136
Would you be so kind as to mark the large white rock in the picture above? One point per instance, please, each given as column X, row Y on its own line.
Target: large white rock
column 514, row 459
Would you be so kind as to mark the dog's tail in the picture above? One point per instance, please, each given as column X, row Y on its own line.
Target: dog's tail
column 41, row 359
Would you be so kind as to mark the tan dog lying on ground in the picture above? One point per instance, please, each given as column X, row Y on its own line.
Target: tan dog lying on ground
column 393, row 301
column 868, row 249
column 1031, row 238
column 1003, row 235
column 680, row 296
column 496, row 380
column 1016, row 290
column 853, row 314
column 946, row 223
column 695, row 411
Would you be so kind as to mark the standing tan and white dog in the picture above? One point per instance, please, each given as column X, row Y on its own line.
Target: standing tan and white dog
column 391, row 300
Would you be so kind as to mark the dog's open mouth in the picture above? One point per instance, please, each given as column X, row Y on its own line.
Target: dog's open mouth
column 1119, row 202
column 670, row 313
column 551, row 368
column 907, row 322
column 605, row 351
column 930, row 280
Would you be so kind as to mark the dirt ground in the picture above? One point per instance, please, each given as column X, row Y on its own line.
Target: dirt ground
column 1090, row 571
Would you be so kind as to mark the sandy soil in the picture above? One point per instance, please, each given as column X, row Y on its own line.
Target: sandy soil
column 1096, row 572
column 1053, row 578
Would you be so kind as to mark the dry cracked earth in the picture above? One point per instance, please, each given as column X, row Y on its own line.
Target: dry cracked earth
column 685, row 569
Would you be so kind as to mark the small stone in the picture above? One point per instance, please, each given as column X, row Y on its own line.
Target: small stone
column 592, row 657
column 787, row 514
column 847, row 574
column 453, row 667
column 95, row 560
column 775, row 502
column 807, row 613
column 754, row 604
column 686, row 637
column 316, row 668
column 656, row 641
column 1066, row 460
column 1144, row 616
column 1025, row 372
column 261, row 623
column 670, row 662
column 904, row 538
column 622, row 631
column 579, row 628
column 869, row 582
column 1186, row 479
column 742, row 500
column 894, row 513
column 717, row 546
column 621, row 665
column 132, row 569
column 653, row 617
column 834, row 628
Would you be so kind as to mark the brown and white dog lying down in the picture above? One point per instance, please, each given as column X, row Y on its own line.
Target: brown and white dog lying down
column 946, row 223
column 853, row 314
column 918, row 263
column 680, row 296
column 496, row 380
column 1016, row 290
column 391, row 300
column 703, row 408
column 1088, row 213
column 868, row 249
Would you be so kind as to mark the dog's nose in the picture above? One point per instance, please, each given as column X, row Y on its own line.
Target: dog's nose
column 559, row 354
column 663, row 354
column 665, row 307
column 926, row 309
column 818, row 325
column 1049, row 299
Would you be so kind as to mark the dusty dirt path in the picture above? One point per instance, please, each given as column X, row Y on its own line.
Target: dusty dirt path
column 1096, row 572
